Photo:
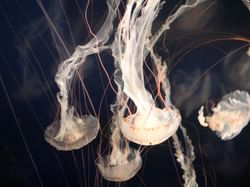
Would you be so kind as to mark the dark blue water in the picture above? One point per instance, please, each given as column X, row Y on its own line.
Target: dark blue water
column 29, row 58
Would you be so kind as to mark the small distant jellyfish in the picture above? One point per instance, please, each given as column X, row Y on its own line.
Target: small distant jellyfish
column 230, row 115
column 123, row 169
column 123, row 163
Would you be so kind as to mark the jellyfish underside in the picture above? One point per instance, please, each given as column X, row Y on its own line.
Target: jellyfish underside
column 152, row 127
column 120, row 167
column 74, row 134
column 230, row 115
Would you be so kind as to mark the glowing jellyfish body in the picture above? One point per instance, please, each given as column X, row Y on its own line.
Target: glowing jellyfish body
column 119, row 166
column 123, row 162
column 71, row 131
column 74, row 135
column 230, row 115
column 247, row 4
column 151, row 127
column 133, row 42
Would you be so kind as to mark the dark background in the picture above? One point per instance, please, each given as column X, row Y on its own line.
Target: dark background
column 30, row 53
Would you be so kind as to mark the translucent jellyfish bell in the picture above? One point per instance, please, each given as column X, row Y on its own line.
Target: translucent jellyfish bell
column 123, row 163
column 230, row 115
column 152, row 127
column 121, row 168
column 74, row 134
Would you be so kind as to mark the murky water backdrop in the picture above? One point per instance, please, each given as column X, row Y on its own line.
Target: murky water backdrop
column 206, row 54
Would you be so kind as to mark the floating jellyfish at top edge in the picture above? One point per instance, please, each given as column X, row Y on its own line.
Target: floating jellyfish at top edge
column 123, row 162
column 73, row 131
column 247, row 3
column 230, row 115
column 133, row 42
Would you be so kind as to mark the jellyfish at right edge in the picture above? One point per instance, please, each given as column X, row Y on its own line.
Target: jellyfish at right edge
column 230, row 115
column 246, row 3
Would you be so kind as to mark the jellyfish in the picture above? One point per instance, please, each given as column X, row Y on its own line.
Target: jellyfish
column 73, row 131
column 149, row 125
column 248, row 52
column 229, row 116
column 247, row 4
column 123, row 162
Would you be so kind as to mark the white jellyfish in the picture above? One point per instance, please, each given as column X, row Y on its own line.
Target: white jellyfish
column 123, row 162
column 72, row 134
column 247, row 4
column 133, row 42
column 73, row 131
column 230, row 115
column 248, row 52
